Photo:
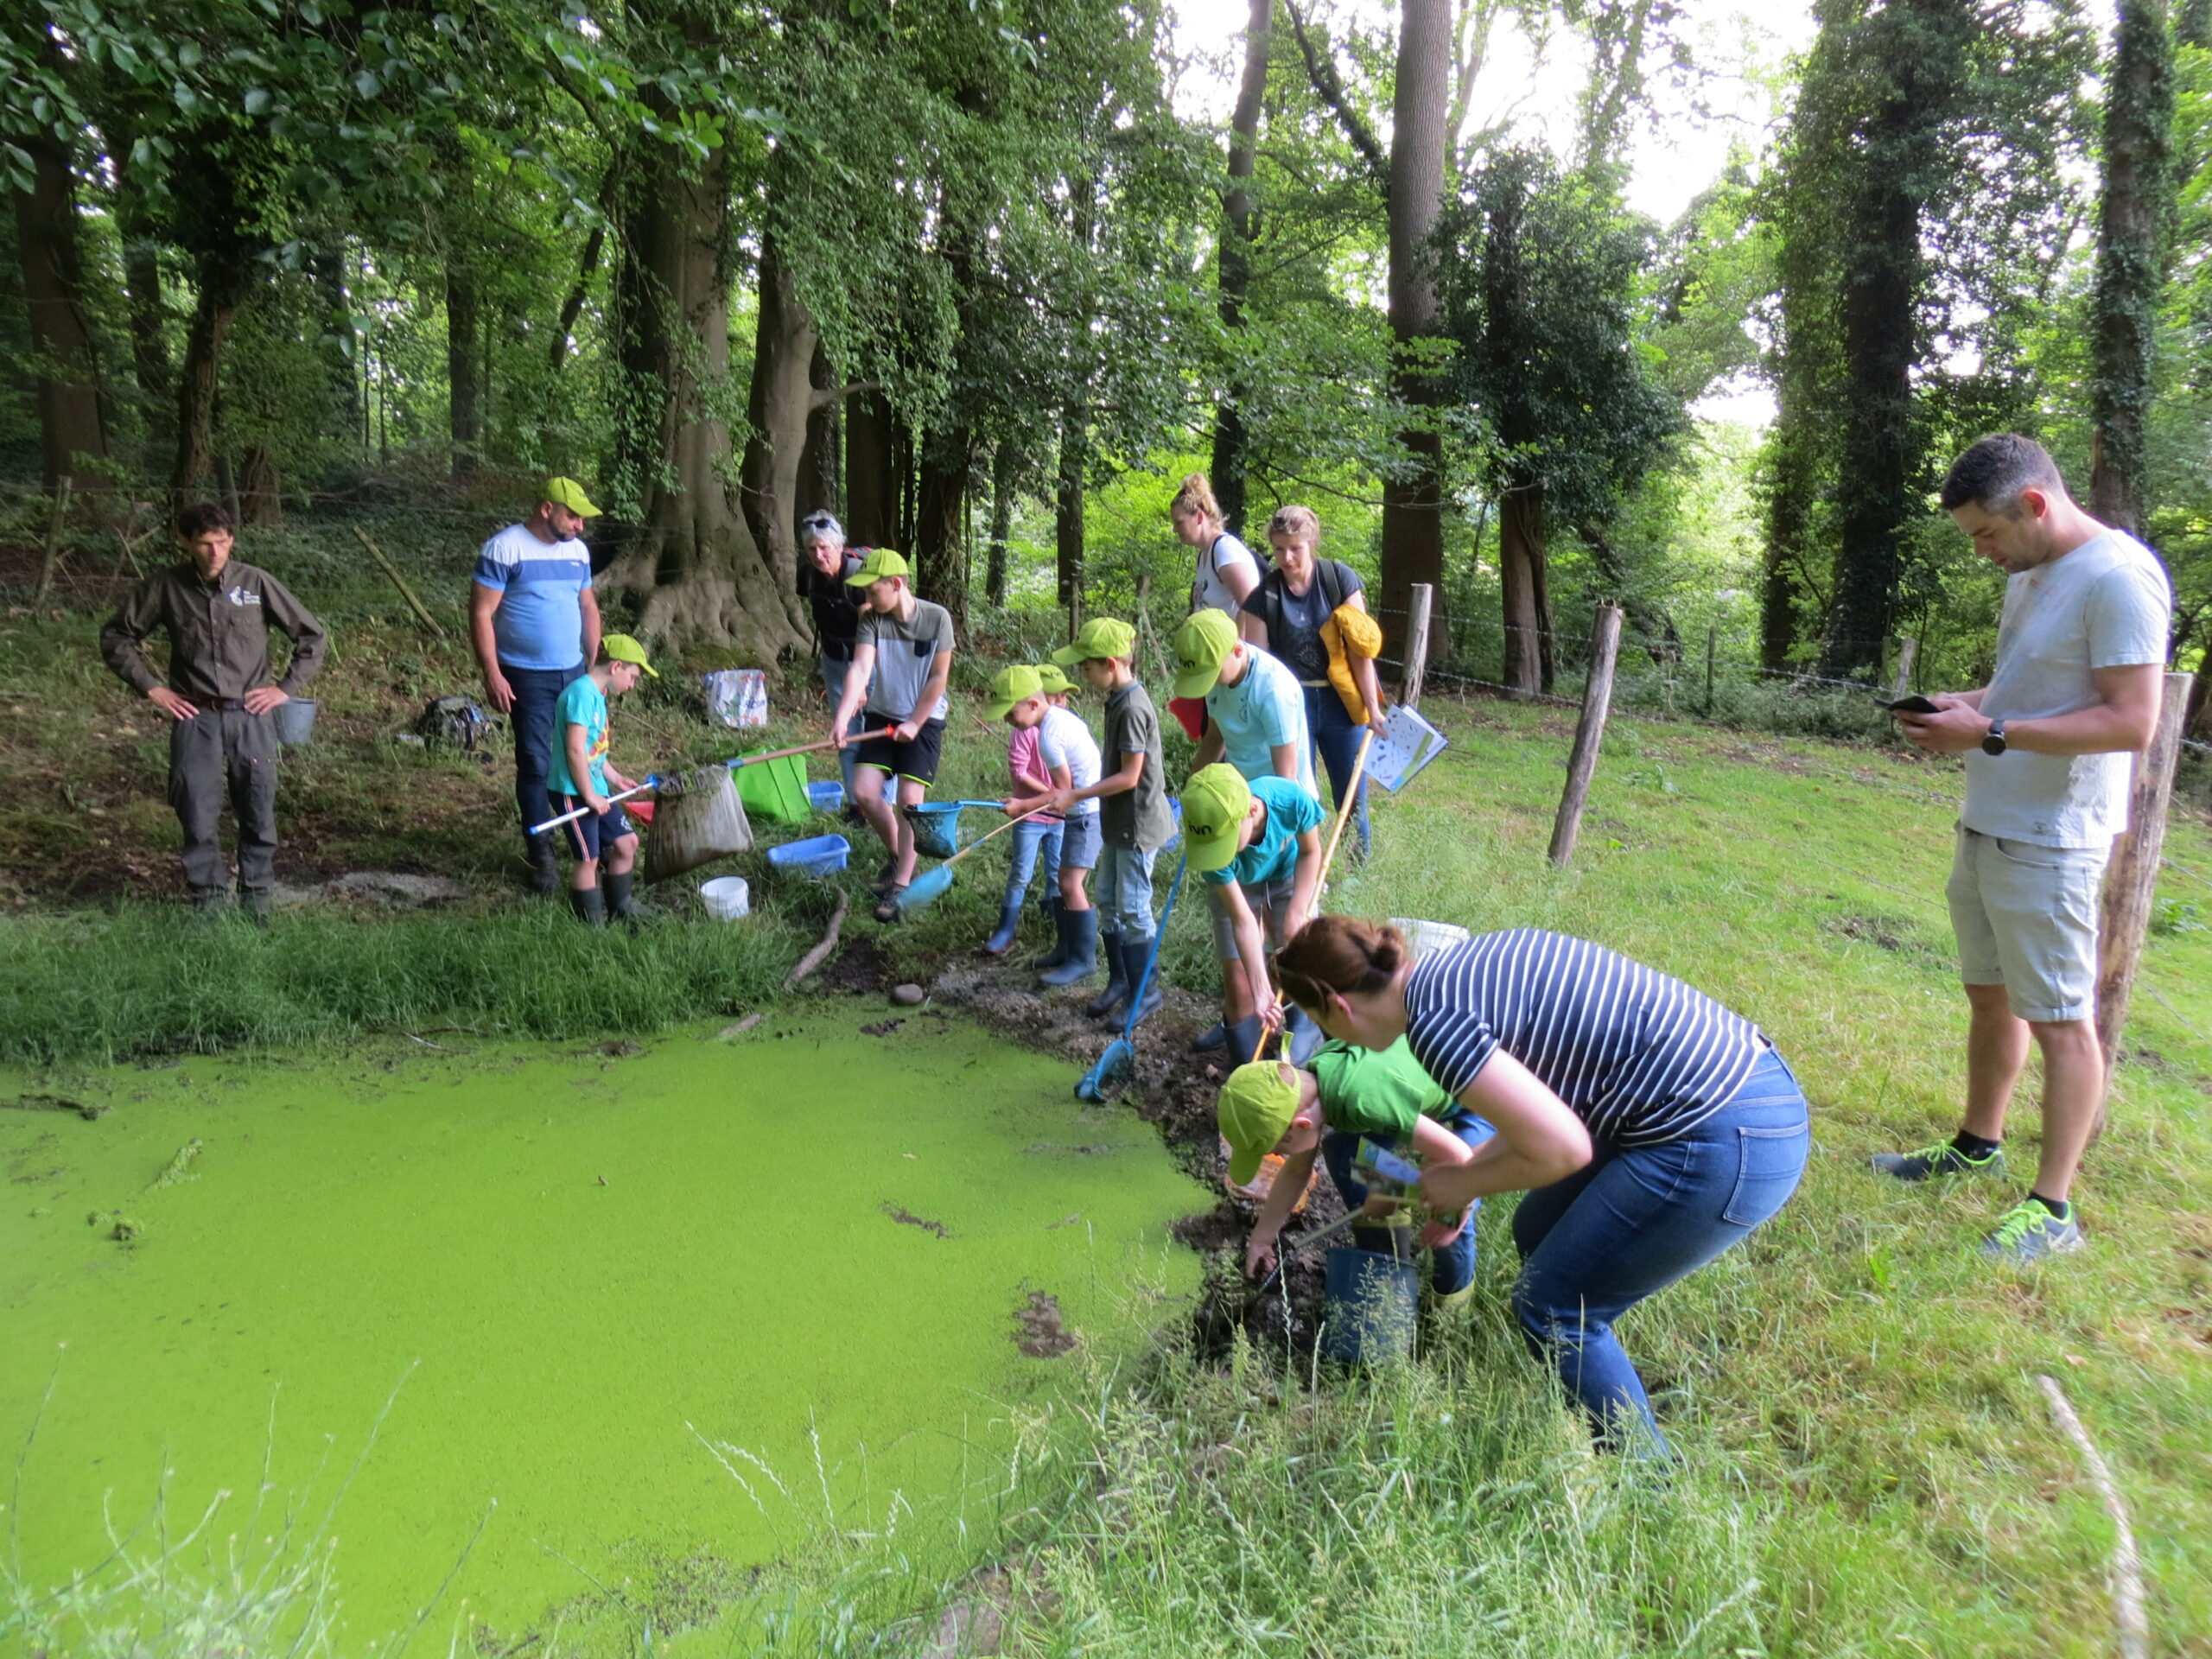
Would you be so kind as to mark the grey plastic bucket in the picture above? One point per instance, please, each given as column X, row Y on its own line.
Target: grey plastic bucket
column 295, row 722
column 1373, row 1302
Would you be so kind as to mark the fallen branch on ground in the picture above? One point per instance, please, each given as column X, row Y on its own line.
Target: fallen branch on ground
column 814, row 958
column 2126, row 1565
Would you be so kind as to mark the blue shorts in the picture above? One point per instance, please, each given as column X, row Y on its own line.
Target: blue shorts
column 1080, row 842
column 594, row 831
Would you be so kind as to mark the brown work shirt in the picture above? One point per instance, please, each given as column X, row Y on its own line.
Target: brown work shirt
column 219, row 633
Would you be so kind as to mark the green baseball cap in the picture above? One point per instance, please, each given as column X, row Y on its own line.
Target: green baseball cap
column 880, row 565
column 621, row 648
column 1256, row 1105
column 1100, row 638
column 1054, row 681
column 1010, row 686
column 1201, row 647
column 1215, row 801
column 565, row 492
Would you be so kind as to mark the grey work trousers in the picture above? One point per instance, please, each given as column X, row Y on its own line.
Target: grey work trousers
column 226, row 752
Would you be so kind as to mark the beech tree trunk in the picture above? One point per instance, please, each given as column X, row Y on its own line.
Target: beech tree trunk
column 1006, row 466
column 785, row 346
column 821, row 479
column 327, row 266
column 1067, row 503
column 1413, row 492
column 940, row 543
column 691, row 565
column 1521, row 567
column 872, row 472
column 463, row 427
column 2131, row 259
column 222, row 290
column 1240, row 225
column 72, row 432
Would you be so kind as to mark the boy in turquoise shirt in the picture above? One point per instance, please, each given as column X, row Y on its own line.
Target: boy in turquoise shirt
column 580, row 774
column 1256, row 846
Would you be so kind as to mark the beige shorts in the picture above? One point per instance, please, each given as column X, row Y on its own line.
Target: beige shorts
column 2025, row 917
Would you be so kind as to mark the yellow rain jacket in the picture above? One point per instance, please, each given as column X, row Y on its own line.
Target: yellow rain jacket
column 1348, row 634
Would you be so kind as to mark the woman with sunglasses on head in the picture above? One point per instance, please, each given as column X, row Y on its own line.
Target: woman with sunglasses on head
column 1650, row 1127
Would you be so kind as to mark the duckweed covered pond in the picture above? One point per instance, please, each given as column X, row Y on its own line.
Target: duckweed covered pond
column 692, row 1300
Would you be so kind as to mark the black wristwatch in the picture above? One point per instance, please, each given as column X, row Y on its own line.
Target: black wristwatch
column 1993, row 741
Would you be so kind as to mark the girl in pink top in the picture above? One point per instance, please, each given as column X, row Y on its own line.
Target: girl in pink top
column 1033, row 836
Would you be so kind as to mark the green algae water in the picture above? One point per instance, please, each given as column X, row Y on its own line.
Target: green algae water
column 525, row 1318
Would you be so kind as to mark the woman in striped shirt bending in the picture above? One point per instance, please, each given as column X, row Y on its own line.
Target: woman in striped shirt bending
column 1651, row 1127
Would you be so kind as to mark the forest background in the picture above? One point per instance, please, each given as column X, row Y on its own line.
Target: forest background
column 987, row 276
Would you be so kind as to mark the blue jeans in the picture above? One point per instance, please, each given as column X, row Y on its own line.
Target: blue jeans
column 834, row 669
column 1122, row 891
column 538, row 696
column 1638, row 1218
column 1033, row 838
column 1451, row 1268
column 1336, row 746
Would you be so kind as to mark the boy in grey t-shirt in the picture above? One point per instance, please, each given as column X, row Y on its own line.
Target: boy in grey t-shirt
column 2080, row 654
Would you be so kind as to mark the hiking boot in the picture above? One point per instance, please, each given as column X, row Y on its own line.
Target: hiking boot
column 1001, row 939
column 590, row 905
column 1212, row 1039
column 1136, row 956
column 544, row 864
column 886, row 878
column 1116, row 996
column 255, row 904
column 622, row 898
column 1932, row 1163
column 209, row 903
column 1058, row 953
column 1080, row 960
column 2029, row 1233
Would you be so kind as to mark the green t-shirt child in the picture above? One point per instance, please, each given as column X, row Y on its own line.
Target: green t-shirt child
column 1375, row 1094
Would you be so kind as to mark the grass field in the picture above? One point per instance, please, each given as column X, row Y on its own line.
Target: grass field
column 1868, row 1468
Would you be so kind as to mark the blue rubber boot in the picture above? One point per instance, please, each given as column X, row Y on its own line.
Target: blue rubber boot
column 1058, row 953
column 1136, row 955
column 1001, row 939
column 1080, row 928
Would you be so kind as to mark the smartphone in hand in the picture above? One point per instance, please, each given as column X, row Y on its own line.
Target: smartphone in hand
column 1915, row 704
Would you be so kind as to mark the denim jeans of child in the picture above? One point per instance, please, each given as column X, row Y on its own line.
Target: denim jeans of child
column 1634, row 1220
column 1034, row 839
column 1451, row 1268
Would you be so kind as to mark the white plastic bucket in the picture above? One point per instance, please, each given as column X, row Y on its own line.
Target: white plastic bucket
column 1426, row 937
column 728, row 898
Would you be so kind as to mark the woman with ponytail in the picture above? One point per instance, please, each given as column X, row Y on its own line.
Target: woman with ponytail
column 1650, row 1127
column 1227, row 571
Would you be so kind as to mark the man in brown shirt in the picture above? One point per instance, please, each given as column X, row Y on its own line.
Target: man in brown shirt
column 220, row 695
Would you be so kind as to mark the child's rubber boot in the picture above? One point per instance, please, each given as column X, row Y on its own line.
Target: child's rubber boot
column 1001, row 939
column 1081, row 960
column 1305, row 1037
column 1243, row 1038
column 1111, row 1000
column 1054, row 910
column 590, row 905
column 622, row 898
column 1136, row 955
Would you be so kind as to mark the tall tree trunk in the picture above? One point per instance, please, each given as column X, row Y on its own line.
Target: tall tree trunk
column 1413, row 492
column 821, row 478
column 940, row 545
column 222, row 288
column 785, row 346
column 260, row 491
column 463, row 428
column 326, row 267
column 1067, row 503
column 872, row 472
column 691, row 564
column 2131, row 259
column 72, row 432
column 1240, row 225
column 142, row 282
column 1521, row 575
column 1006, row 466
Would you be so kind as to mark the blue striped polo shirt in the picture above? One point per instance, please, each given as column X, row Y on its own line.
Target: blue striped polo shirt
column 540, row 622
column 1642, row 1057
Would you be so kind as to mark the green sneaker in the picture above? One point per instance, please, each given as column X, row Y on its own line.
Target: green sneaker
column 1941, row 1158
column 2030, row 1232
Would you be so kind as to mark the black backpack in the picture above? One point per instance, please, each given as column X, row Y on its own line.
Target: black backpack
column 1266, row 598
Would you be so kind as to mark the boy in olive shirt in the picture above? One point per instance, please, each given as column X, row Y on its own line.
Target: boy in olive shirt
column 1351, row 1092
column 1134, row 817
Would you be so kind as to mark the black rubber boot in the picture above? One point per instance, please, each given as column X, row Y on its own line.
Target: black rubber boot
column 1111, row 1000
column 255, row 904
column 622, row 897
column 590, row 905
column 1053, row 958
column 544, row 864
column 1081, row 960
column 209, row 903
column 1243, row 1038
column 1001, row 939
column 1136, row 953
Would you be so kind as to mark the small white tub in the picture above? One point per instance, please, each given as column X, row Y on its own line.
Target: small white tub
column 727, row 897
column 1429, row 937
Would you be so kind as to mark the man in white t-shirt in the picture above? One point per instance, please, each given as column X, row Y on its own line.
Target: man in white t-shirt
column 2049, row 744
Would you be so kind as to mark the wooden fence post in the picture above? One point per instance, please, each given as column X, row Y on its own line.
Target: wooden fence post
column 2132, row 877
column 1589, row 733
column 1712, row 643
column 1907, row 649
column 1416, row 668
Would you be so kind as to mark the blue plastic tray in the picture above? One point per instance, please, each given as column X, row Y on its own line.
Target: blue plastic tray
column 826, row 798
column 816, row 855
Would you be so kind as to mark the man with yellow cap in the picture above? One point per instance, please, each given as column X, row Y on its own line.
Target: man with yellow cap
column 1349, row 1093
column 1256, row 846
column 535, row 624
column 582, row 772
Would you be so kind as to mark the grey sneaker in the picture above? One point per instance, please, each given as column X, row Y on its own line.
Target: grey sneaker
column 1941, row 1158
column 2030, row 1232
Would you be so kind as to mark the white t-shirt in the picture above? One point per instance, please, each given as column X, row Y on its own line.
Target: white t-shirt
column 1210, row 592
column 1064, row 741
column 2107, row 604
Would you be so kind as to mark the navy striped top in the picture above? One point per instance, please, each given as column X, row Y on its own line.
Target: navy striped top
column 1642, row 1057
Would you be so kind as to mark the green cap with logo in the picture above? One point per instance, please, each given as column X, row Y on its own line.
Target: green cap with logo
column 1055, row 683
column 1256, row 1105
column 621, row 648
column 1010, row 686
column 567, row 493
column 881, row 564
column 1100, row 638
column 1215, row 801
column 1201, row 647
